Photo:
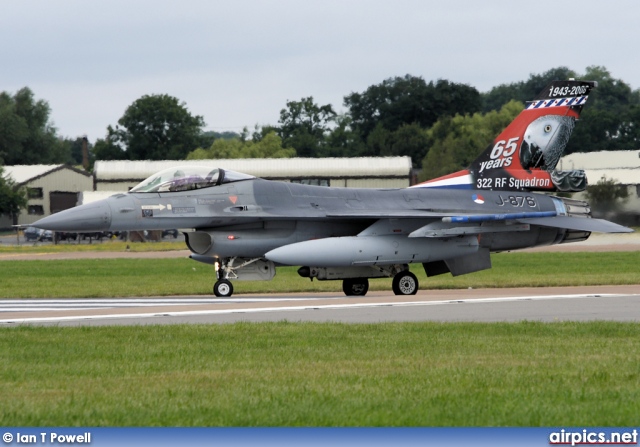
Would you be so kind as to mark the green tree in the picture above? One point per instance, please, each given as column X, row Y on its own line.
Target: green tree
column 610, row 119
column 607, row 195
column 220, row 149
column 523, row 91
column 13, row 131
column 26, row 134
column 342, row 140
column 408, row 100
column 410, row 140
column 378, row 140
column 71, row 149
column 629, row 130
column 270, row 146
column 12, row 197
column 154, row 127
column 207, row 138
column 105, row 149
column 304, row 125
column 455, row 142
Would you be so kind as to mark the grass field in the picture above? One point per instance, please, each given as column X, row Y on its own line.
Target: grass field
column 96, row 246
column 160, row 277
column 311, row 374
column 307, row 374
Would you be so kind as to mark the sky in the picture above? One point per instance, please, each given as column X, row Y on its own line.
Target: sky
column 236, row 63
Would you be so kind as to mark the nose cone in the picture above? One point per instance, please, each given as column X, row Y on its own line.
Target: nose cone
column 94, row 216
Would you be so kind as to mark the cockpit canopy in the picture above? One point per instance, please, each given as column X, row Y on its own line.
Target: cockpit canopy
column 186, row 178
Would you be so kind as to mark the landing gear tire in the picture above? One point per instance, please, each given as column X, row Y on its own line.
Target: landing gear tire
column 223, row 288
column 405, row 283
column 355, row 286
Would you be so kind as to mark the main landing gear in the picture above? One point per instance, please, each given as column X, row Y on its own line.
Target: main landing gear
column 355, row 286
column 355, row 280
column 404, row 283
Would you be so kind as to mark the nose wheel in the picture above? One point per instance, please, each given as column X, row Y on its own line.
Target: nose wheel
column 223, row 288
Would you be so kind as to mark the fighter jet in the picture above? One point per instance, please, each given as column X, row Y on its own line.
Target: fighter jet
column 246, row 226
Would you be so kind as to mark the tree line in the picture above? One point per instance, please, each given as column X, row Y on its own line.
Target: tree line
column 441, row 125
column 27, row 136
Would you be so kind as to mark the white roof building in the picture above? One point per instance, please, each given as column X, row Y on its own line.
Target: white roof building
column 364, row 172
column 621, row 166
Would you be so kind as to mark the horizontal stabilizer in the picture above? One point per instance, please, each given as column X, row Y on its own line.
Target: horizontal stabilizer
column 578, row 223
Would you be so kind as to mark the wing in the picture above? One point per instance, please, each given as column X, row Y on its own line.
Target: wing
column 422, row 223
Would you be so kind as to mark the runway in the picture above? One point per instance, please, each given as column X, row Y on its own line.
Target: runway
column 612, row 303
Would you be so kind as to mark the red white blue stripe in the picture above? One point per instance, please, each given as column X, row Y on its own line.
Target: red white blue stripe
column 459, row 180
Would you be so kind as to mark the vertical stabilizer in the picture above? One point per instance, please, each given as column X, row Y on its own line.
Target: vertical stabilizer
column 524, row 156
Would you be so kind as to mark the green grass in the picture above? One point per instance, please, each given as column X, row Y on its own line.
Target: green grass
column 310, row 374
column 161, row 277
column 96, row 246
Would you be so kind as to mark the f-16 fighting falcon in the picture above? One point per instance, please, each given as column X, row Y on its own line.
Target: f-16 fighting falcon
column 247, row 226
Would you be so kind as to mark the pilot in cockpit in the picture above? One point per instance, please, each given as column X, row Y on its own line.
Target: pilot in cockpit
column 182, row 182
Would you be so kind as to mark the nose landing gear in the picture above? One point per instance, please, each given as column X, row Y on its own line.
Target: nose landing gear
column 241, row 269
column 223, row 288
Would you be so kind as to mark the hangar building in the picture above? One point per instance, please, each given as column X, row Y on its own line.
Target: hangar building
column 50, row 188
column 362, row 172
column 621, row 166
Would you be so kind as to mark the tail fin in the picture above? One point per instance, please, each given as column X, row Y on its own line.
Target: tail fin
column 523, row 157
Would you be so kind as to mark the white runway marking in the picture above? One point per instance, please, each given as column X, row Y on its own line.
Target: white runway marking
column 84, row 304
column 26, row 305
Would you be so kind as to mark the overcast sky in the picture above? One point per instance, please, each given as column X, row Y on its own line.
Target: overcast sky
column 237, row 62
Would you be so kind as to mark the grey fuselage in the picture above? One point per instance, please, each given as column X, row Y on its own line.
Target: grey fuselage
column 249, row 218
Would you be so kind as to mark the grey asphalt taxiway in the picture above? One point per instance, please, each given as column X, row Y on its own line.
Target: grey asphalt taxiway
column 612, row 303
